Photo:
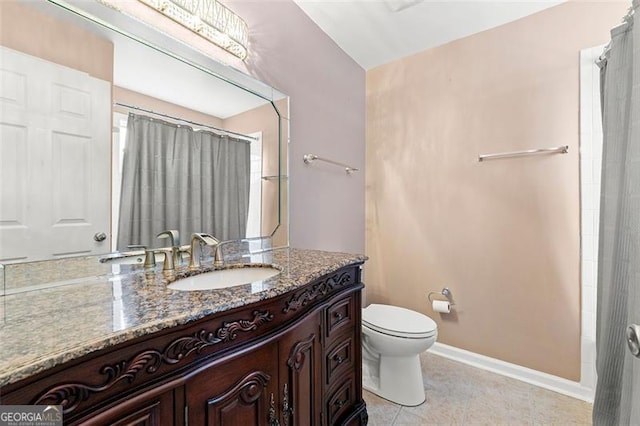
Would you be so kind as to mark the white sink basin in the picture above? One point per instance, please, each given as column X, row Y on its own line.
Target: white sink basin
column 223, row 278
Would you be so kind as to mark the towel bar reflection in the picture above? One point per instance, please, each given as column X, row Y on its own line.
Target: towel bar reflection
column 309, row 158
column 557, row 150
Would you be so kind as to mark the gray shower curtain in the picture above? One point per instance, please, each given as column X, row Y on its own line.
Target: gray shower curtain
column 617, row 400
column 176, row 178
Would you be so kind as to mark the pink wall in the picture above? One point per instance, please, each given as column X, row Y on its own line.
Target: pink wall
column 502, row 234
column 327, row 110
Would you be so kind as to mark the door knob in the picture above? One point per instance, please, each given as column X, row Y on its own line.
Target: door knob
column 633, row 339
column 100, row 236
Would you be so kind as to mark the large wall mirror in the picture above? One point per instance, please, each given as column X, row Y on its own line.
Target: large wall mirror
column 112, row 131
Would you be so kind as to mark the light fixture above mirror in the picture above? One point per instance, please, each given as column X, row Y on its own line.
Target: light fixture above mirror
column 210, row 19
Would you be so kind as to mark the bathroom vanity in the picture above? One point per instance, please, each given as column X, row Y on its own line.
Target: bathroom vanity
column 126, row 349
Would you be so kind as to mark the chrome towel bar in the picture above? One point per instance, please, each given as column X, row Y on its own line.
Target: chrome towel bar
column 309, row 158
column 557, row 150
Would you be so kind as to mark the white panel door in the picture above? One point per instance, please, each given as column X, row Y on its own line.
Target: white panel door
column 54, row 159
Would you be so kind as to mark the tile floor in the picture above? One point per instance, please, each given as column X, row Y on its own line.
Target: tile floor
column 458, row 394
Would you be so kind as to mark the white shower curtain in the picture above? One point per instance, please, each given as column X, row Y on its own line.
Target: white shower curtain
column 176, row 178
column 617, row 400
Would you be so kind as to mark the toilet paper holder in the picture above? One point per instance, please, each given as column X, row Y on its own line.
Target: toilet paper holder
column 445, row 292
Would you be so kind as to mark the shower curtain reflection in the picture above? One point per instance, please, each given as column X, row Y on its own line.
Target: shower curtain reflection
column 175, row 177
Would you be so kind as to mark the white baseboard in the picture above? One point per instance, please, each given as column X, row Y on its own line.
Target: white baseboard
column 537, row 378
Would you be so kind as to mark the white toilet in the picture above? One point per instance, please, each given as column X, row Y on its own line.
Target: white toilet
column 392, row 340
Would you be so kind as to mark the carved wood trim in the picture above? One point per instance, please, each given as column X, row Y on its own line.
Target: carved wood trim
column 249, row 388
column 71, row 395
column 180, row 348
column 295, row 362
column 317, row 290
column 297, row 355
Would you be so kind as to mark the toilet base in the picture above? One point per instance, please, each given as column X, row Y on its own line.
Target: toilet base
column 399, row 380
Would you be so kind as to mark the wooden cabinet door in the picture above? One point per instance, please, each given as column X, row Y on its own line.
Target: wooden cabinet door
column 142, row 410
column 239, row 391
column 301, row 373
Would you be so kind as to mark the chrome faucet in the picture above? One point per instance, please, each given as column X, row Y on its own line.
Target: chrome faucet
column 174, row 237
column 197, row 239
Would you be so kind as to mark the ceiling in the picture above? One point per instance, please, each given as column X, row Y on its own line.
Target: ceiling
column 375, row 32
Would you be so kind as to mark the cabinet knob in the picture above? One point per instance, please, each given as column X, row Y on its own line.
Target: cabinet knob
column 338, row 359
column 338, row 315
column 340, row 403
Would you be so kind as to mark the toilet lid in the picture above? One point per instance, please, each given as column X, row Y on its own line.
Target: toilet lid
column 398, row 321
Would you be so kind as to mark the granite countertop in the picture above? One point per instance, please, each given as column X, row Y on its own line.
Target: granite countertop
column 45, row 327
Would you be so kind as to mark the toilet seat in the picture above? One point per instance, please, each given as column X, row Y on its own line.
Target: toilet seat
column 398, row 322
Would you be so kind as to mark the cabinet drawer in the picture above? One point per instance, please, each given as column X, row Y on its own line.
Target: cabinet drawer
column 341, row 401
column 340, row 316
column 340, row 359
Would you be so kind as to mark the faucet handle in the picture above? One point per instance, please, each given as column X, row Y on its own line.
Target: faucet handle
column 149, row 255
column 149, row 258
column 172, row 234
column 218, row 255
column 169, row 262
